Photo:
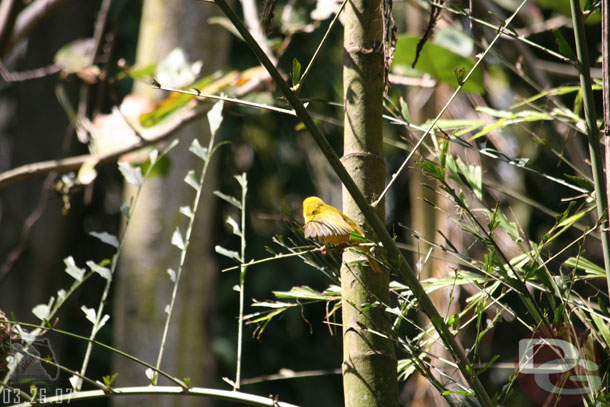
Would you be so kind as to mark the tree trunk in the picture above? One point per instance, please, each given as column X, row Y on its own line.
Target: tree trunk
column 144, row 287
column 369, row 361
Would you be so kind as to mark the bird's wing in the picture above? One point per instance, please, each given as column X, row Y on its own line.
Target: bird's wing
column 327, row 224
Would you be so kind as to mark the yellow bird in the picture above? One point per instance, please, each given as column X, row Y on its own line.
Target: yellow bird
column 330, row 226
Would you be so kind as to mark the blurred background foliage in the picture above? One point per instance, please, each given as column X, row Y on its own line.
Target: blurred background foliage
column 520, row 160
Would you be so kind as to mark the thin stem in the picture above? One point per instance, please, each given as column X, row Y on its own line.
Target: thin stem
column 595, row 155
column 242, row 279
column 317, row 51
column 110, row 348
column 115, row 260
column 183, row 252
column 376, row 224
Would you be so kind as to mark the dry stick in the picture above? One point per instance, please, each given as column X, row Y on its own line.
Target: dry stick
column 595, row 154
column 399, row 262
column 501, row 30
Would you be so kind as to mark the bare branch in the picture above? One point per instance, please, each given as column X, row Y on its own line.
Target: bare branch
column 27, row 75
column 29, row 19
column 151, row 136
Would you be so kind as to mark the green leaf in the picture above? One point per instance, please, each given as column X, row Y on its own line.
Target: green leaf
column 107, row 238
column 302, row 293
column 191, row 180
column 139, row 73
column 564, row 46
column 581, row 182
column 437, row 61
column 159, row 168
column 581, row 263
column 296, row 72
column 215, row 116
column 172, row 275
column 102, row 271
column 186, row 211
column 73, row 270
column 406, row 368
column 404, row 110
column 432, row 170
column 602, row 327
column 41, row 311
column 132, row 175
column 468, row 175
column 242, row 179
column 90, row 314
column 198, row 150
column 234, row 225
column 225, row 23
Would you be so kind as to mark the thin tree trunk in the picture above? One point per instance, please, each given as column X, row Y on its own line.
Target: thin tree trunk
column 369, row 360
column 144, row 287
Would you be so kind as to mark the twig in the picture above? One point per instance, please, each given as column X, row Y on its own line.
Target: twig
column 203, row 96
column 27, row 75
column 317, row 51
column 276, row 257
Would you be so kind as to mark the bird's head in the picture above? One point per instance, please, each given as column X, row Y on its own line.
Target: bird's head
column 311, row 205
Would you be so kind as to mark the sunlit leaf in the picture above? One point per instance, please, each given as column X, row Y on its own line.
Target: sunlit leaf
column 132, row 174
column 74, row 271
column 215, row 116
column 227, row 253
column 191, row 180
column 228, row 199
column 437, row 61
column 107, row 238
column 102, row 271
column 41, row 311
column 177, row 239
column 198, row 150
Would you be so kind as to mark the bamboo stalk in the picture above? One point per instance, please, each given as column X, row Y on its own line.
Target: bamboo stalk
column 593, row 133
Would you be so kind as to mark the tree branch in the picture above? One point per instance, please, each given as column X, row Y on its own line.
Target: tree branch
column 151, row 136
column 29, row 19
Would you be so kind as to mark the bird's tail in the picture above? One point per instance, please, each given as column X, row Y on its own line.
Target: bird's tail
column 372, row 262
